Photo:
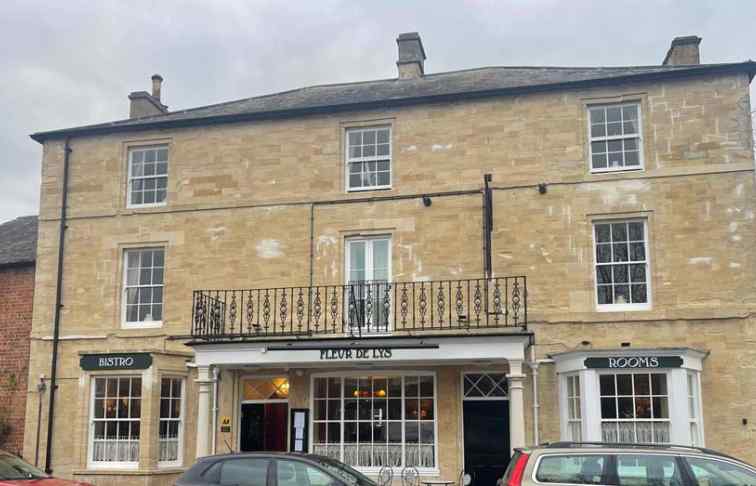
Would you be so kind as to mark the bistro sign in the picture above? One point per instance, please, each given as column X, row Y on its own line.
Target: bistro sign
column 354, row 353
column 116, row 361
column 631, row 362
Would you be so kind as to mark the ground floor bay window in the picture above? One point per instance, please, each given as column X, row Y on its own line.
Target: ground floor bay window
column 631, row 395
column 115, row 421
column 371, row 421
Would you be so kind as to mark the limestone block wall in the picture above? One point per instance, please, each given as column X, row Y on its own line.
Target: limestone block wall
column 243, row 197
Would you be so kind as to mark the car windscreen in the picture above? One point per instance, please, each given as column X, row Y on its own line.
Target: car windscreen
column 13, row 468
column 346, row 473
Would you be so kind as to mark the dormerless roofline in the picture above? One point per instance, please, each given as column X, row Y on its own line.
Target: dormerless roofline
column 747, row 67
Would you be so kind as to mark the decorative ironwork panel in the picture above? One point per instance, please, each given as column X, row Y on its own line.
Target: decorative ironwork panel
column 360, row 308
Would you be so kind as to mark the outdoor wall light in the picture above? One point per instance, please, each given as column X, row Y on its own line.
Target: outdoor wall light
column 542, row 188
column 427, row 201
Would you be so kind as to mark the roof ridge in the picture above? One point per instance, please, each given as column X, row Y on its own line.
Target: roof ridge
column 475, row 81
column 383, row 80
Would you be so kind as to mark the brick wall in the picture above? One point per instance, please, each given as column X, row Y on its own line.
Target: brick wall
column 16, row 296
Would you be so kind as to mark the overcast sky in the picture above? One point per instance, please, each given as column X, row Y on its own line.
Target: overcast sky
column 72, row 62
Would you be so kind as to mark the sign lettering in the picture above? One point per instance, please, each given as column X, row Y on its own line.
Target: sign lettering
column 355, row 353
column 116, row 361
column 632, row 362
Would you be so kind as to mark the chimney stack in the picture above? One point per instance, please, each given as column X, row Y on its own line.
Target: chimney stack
column 157, row 81
column 683, row 51
column 411, row 62
column 146, row 104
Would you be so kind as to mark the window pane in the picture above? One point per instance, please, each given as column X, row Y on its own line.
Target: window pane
column 605, row 294
column 383, row 135
column 613, row 129
column 658, row 383
column 571, row 469
column 638, row 273
column 631, row 158
column 641, row 383
column 607, row 385
column 604, row 253
column 604, row 274
column 619, row 252
column 613, row 114
column 661, row 407
column 244, row 472
column 714, row 472
column 637, row 252
column 598, row 130
column 600, row 161
column 368, row 137
column 603, row 233
column 619, row 273
column 598, row 147
column 648, row 470
column 598, row 115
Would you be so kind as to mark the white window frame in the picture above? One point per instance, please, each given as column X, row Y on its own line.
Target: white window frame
column 668, row 385
column 627, row 306
column 695, row 406
column 423, row 471
column 369, row 268
column 641, row 160
column 126, row 324
column 91, row 463
column 130, row 177
column 349, row 160
column 182, row 418
column 573, row 382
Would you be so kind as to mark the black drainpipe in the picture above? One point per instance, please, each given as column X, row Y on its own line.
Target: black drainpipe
column 58, row 306
column 487, row 225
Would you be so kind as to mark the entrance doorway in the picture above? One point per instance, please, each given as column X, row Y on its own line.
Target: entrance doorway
column 485, row 419
column 264, row 427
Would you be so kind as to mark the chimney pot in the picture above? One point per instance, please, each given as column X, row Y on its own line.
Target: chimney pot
column 157, row 82
column 411, row 62
column 683, row 51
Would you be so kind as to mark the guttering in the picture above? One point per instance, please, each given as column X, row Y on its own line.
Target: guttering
column 58, row 298
column 747, row 67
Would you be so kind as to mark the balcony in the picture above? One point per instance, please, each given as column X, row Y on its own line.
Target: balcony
column 361, row 309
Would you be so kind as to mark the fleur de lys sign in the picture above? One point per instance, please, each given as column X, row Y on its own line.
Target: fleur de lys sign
column 116, row 361
column 633, row 362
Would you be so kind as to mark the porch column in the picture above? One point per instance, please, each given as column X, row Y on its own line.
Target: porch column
column 516, row 406
column 203, row 410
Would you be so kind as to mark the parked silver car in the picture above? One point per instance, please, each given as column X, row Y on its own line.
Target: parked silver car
column 271, row 469
column 568, row 463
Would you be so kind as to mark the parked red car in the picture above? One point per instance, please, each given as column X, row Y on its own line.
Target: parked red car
column 15, row 472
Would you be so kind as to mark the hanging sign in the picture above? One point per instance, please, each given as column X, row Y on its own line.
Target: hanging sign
column 632, row 362
column 115, row 361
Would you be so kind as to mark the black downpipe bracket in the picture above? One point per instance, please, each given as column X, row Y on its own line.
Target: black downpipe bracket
column 58, row 306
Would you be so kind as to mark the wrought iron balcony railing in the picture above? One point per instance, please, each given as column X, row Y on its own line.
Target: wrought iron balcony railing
column 361, row 308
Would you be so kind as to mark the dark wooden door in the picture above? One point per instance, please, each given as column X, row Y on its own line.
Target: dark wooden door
column 264, row 427
column 486, row 445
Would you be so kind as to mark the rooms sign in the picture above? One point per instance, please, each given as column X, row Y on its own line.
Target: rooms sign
column 632, row 362
column 354, row 353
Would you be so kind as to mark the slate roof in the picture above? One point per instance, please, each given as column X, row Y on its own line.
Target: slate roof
column 471, row 83
column 18, row 241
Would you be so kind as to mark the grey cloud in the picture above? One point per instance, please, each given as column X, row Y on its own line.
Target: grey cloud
column 70, row 63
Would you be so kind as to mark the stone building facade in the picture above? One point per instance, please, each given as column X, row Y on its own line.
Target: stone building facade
column 18, row 241
column 407, row 272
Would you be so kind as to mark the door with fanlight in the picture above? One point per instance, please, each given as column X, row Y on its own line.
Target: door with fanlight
column 368, row 284
column 485, row 419
column 264, row 414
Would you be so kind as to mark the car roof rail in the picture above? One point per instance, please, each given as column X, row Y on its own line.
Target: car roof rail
column 635, row 445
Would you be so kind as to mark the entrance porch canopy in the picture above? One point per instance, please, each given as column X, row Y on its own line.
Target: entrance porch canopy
column 368, row 352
